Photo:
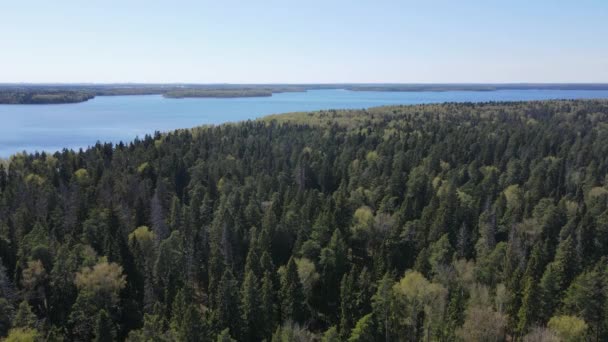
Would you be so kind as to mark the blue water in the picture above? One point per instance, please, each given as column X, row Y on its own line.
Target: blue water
column 122, row 118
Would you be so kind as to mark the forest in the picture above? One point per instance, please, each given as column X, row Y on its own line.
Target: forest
column 43, row 97
column 179, row 94
column 442, row 222
column 74, row 93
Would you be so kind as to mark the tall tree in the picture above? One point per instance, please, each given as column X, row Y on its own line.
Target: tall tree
column 292, row 295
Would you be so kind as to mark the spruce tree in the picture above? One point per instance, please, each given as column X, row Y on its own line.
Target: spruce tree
column 268, row 306
column 24, row 318
column 226, row 313
column 251, row 309
column 104, row 328
column 292, row 296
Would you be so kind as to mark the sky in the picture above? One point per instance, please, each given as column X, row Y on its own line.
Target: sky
column 329, row 41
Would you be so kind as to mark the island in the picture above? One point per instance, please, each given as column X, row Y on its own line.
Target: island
column 220, row 93
column 73, row 93
column 43, row 97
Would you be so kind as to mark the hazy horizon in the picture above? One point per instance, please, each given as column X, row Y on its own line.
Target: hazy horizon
column 307, row 83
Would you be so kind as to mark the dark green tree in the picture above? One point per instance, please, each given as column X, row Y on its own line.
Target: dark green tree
column 104, row 328
column 251, row 308
column 292, row 295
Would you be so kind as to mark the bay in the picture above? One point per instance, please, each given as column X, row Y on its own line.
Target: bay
column 122, row 118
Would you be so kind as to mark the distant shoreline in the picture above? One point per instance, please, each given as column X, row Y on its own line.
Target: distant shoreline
column 76, row 93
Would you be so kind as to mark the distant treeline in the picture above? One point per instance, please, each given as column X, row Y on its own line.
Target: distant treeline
column 39, row 94
column 476, row 87
column 223, row 93
column 46, row 97
column 69, row 93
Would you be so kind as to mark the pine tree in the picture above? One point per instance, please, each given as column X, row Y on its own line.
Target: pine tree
column 364, row 330
column 529, row 310
column 178, row 311
column 333, row 265
column 455, row 314
column 252, row 262
column 104, row 328
column 586, row 298
column 566, row 261
column 381, row 305
column 331, row 335
column 268, row 306
column 266, row 264
column 251, row 309
column 24, row 318
column 175, row 218
column 348, row 301
column 6, row 315
column 292, row 295
column 192, row 328
column 529, row 313
column 226, row 313
column 224, row 336
column 550, row 291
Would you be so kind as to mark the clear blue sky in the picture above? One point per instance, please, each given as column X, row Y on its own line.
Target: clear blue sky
column 304, row 41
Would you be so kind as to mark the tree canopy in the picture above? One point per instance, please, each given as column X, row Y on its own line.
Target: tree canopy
column 443, row 222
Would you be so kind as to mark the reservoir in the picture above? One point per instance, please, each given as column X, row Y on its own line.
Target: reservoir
column 122, row 118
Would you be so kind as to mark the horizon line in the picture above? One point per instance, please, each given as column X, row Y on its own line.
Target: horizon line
column 303, row 83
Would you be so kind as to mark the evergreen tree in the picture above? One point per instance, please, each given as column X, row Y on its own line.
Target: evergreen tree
column 364, row 330
column 251, row 309
column 382, row 307
column 331, row 335
column 226, row 313
column 6, row 316
column 24, row 318
column 104, row 328
column 292, row 295
column 268, row 306
column 348, row 299
column 224, row 336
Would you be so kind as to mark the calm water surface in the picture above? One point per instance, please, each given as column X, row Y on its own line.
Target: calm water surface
column 122, row 118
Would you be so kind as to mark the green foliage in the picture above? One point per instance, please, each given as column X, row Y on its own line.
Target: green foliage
column 251, row 309
column 291, row 332
column 586, row 298
column 382, row 306
column 24, row 318
column 22, row 335
column 295, row 227
column 104, row 329
column 420, row 303
column 364, row 330
column 43, row 97
column 331, row 335
column 224, row 336
column 226, row 311
column 292, row 294
column 568, row 328
column 152, row 330
column 6, row 316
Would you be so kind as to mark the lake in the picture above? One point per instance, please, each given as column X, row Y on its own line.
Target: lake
column 122, row 118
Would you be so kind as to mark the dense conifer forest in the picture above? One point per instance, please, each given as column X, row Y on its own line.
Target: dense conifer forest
column 451, row 222
column 43, row 97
